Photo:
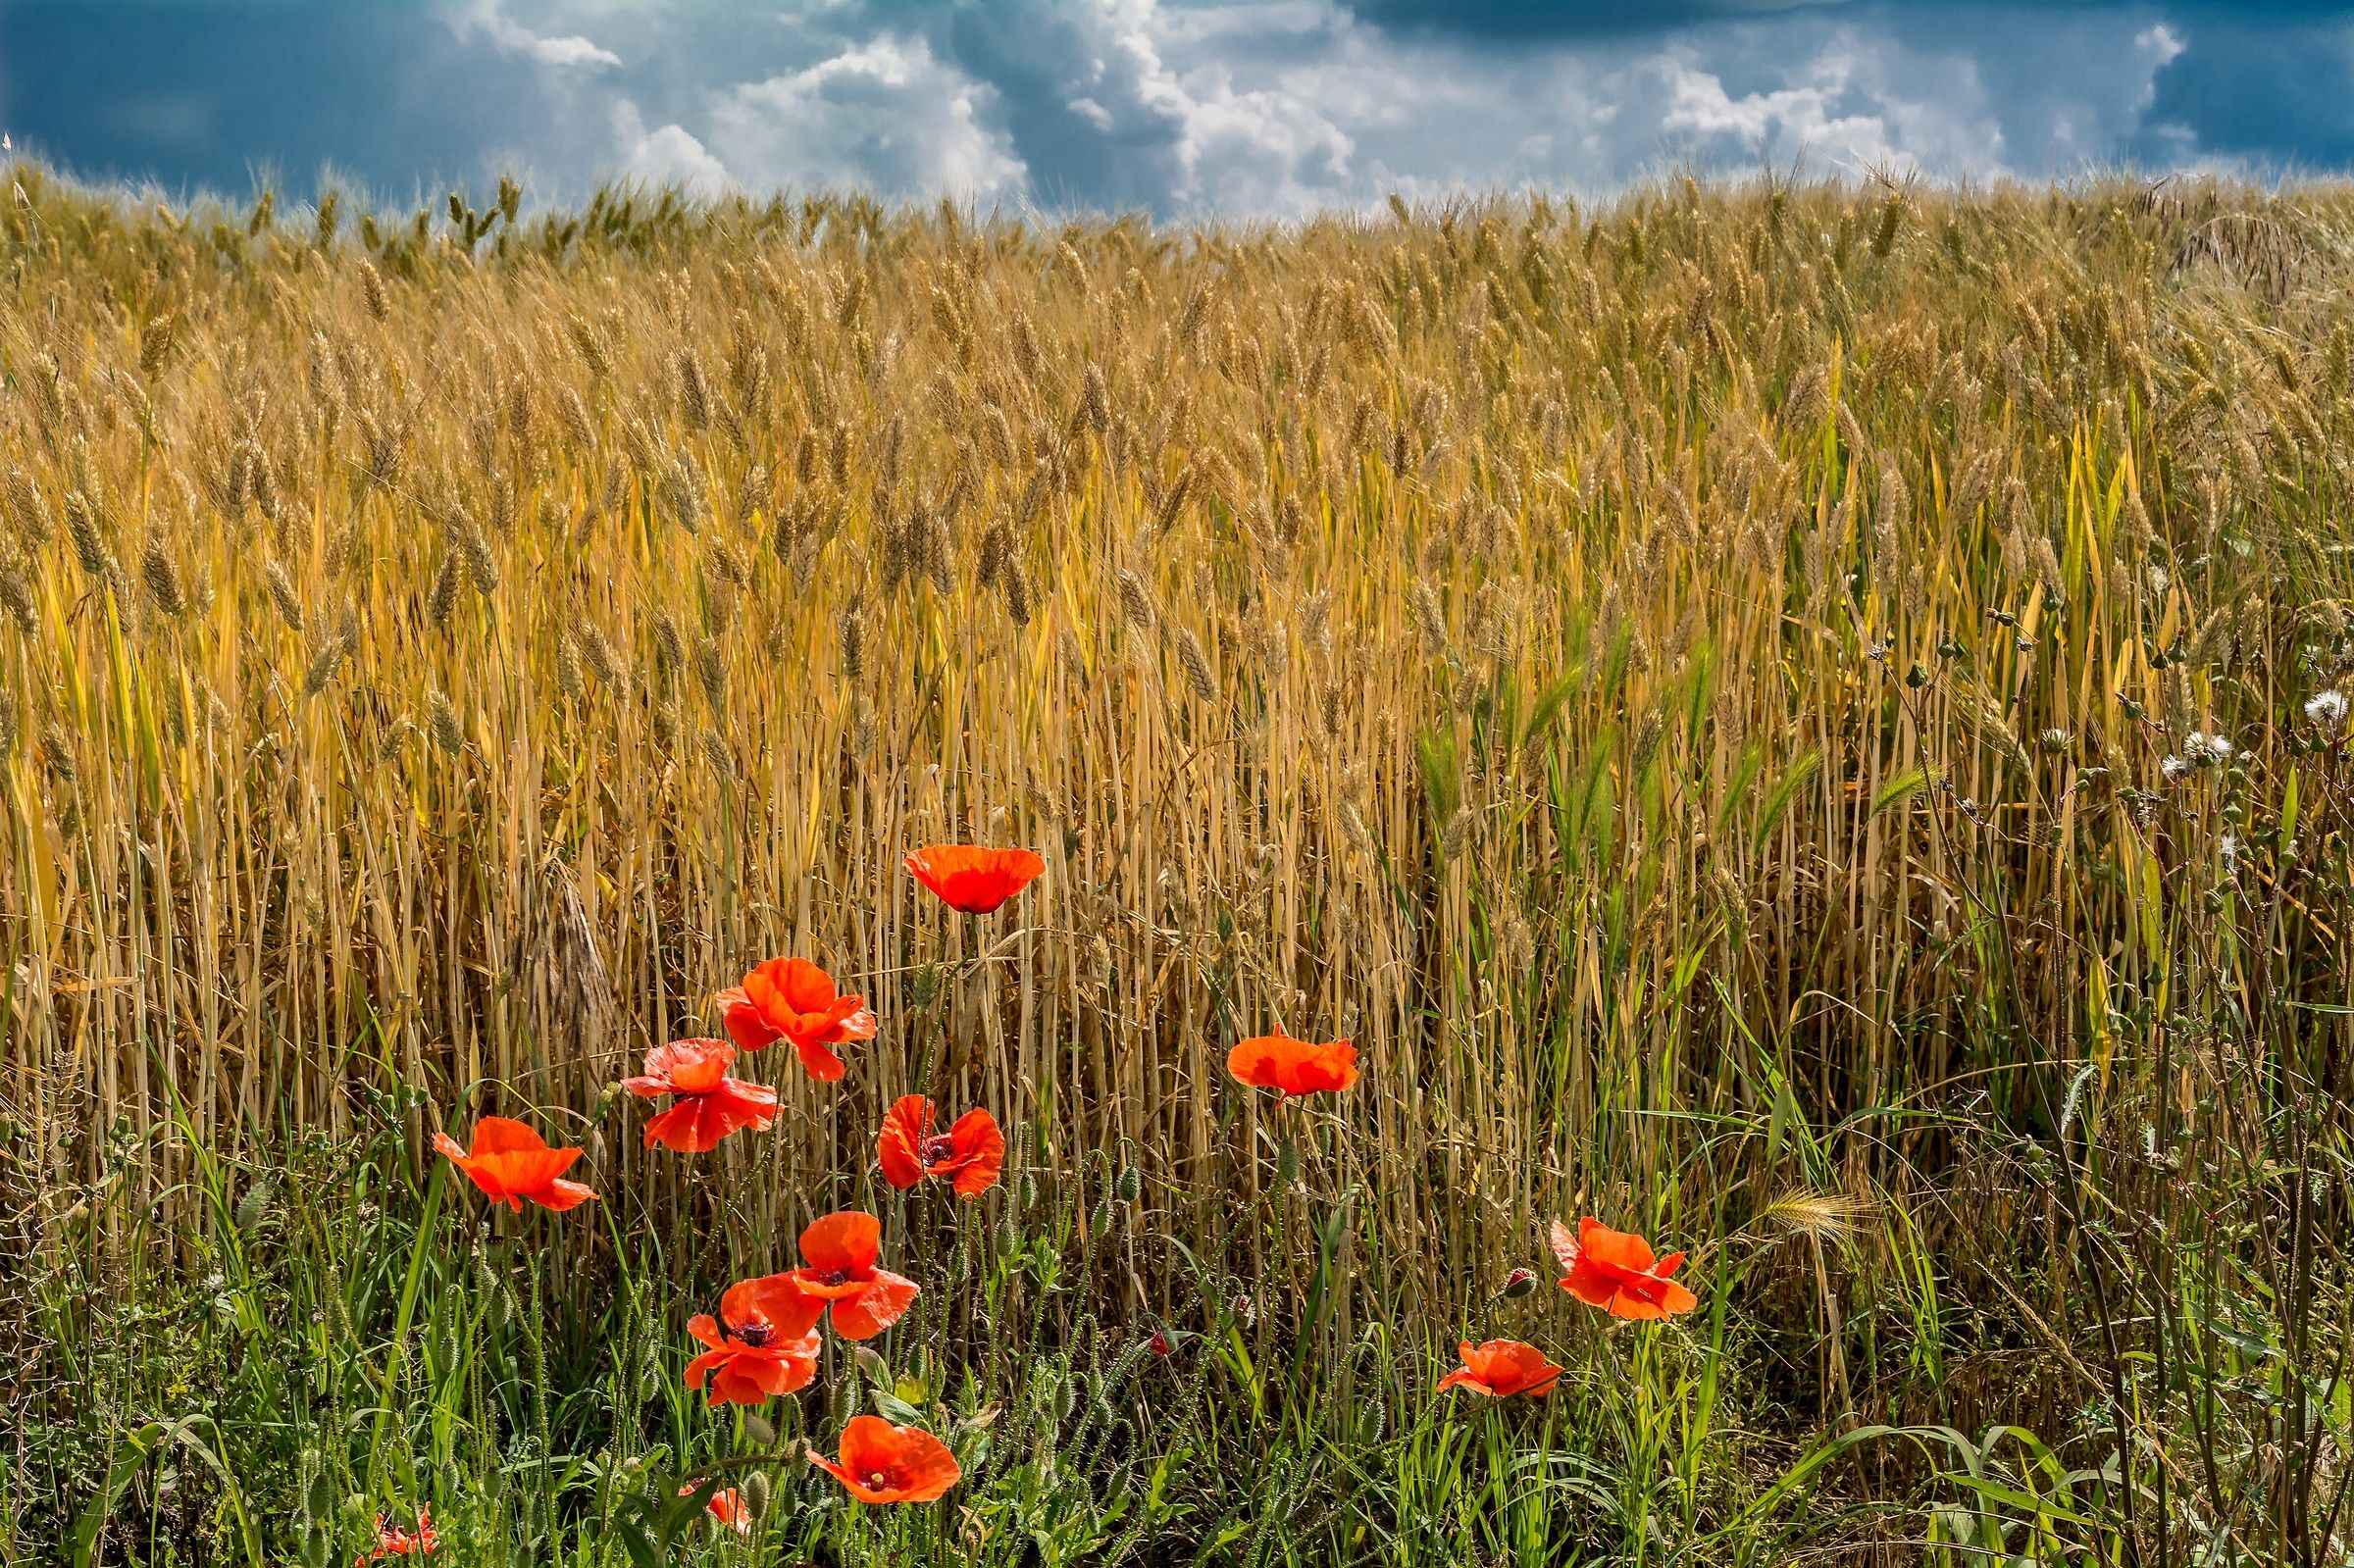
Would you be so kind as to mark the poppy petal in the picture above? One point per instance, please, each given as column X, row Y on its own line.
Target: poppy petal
column 905, row 1126
column 562, row 1197
column 821, row 1063
column 885, row 1300
column 503, row 1135
column 980, row 1145
column 847, row 1243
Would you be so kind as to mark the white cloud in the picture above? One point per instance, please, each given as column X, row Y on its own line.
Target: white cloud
column 509, row 36
column 884, row 113
column 667, row 156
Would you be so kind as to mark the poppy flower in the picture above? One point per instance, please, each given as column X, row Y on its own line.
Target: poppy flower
column 768, row 1346
column 793, row 999
column 884, row 1463
column 511, row 1163
column 972, row 878
column 710, row 1105
column 1291, row 1066
column 838, row 1257
column 972, row 1150
column 394, row 1541
column 1614, row 1270
column 1502, row 1368
column 727, row 1505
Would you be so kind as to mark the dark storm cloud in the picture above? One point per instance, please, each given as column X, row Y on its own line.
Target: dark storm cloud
column 205, row 96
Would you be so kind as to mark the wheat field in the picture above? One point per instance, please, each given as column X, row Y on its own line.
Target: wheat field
column 1798, row 719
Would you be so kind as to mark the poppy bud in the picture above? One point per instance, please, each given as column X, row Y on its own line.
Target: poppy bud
column 604, row 1100
column 1287, row 1163
column 1100, row 1222
column 1131, row 1185
column 759, row 1430
column 1029, row 1190
column 1243, row 1311
column 755, row 1494
column 1518, row 1284
column 320, row 1501
column 1160, row 1346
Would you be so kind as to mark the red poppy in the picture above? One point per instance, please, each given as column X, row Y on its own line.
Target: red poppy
column 511, row 1163
column 1502, row 1368
column 884, row 1463
column 972, row 1150
column 1161, row 1345
column 972, row 878
column 394, row 1541
column 1614, row 1270
column 710, row 1105
column 838, row 1254
column 727, row 1505
column 793, row 999
column 1291, row 1066
column 769, row 1347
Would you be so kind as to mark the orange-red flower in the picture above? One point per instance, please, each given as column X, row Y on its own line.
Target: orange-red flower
column 972, row 1150
column 727, row 1505
column 1614, row 1270
column 1502, row 1368
column 710, row 1105
column 973, row 878
column 769, row 1347
column 512, row 1163
column 838, row 1257
column 1291, row 1066
column 884, row 1463
column 793, row 999
column 394, row 1541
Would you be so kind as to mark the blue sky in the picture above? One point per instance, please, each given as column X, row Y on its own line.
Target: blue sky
column 1178, row 107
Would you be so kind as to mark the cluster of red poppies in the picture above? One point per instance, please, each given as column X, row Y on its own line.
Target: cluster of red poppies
column 764, row 1344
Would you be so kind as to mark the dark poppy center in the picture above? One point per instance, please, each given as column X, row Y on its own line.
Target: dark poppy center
column 835, row 1277
column 937, row 1151
column 755, row 1335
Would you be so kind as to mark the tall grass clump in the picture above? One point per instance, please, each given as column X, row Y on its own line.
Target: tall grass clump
column 1803, row 718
